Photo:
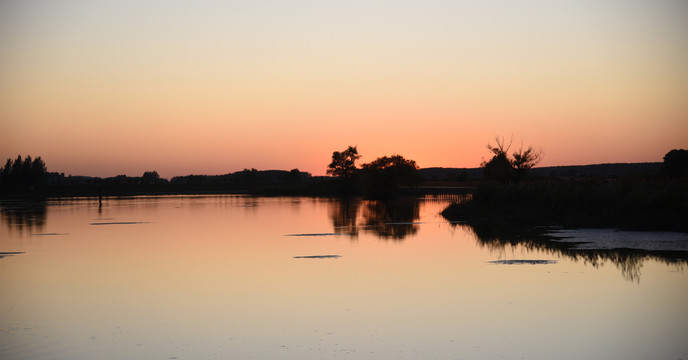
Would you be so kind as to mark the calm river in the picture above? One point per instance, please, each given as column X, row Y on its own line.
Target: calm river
column 239, row 277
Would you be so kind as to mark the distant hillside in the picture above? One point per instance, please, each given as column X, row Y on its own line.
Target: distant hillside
column 600, row 170
column 451, row 174
column 595, row 170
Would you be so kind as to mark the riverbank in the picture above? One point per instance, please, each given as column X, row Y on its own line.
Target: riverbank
column 630, row 204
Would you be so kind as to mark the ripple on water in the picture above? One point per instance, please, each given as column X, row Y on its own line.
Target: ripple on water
column 33, row 342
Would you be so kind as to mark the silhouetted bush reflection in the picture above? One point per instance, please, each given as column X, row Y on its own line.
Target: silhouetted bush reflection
column 393, row 219
column 344, row 214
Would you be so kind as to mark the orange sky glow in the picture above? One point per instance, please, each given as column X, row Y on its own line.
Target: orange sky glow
column 104, row 88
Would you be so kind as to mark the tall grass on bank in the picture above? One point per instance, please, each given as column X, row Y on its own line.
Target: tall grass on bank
column 634, row 204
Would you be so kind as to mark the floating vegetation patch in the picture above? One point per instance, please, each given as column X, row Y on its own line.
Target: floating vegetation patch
column 3, row 254
column 606, row 239
column 522, row 262
column 405, row 223
column 318, row 257
column 119, row 223
column 317, row 234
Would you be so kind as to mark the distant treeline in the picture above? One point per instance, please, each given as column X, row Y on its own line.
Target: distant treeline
column 148, row 178
column 245, row 176
column 23, row 173
column 426, row 174
column 384, row 177
column 616, row 170
column 152, row 178
column 27, row 180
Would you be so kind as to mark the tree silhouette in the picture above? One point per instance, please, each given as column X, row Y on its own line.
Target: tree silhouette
column 23, row 173
column 498, row 169
column 503, row 169
column 150, row 177
column 343, row 163
column 294, row 176
column 385, row 174
column 524, row 160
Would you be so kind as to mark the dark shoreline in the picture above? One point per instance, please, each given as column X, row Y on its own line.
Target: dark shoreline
column 312, row 188
column 628, row 204
column 116, row 190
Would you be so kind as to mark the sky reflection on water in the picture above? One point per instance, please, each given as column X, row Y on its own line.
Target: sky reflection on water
column 192, row 277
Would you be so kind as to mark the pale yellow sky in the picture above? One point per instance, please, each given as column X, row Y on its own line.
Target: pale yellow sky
column 105, row 88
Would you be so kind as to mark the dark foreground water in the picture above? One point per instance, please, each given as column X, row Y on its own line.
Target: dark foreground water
column 235, row 277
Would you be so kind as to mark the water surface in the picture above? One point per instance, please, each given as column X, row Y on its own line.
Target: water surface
column 238, row 277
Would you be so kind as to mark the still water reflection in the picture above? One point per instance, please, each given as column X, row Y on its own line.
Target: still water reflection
column 394, row 219
column 237, row 277
column 23, row 217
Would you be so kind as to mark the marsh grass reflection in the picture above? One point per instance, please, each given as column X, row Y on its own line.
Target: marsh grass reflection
column 500, row 237
column 24, row 217
column 386, row 219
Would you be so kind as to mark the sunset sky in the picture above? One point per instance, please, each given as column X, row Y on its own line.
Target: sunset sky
column 209, row 87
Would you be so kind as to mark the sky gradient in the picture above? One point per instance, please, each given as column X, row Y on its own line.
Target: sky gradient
column 104, row 88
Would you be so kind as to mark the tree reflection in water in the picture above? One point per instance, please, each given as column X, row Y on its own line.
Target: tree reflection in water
column 392, row 219
column 500, row 237
column 344, row 214
column 24, row 217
